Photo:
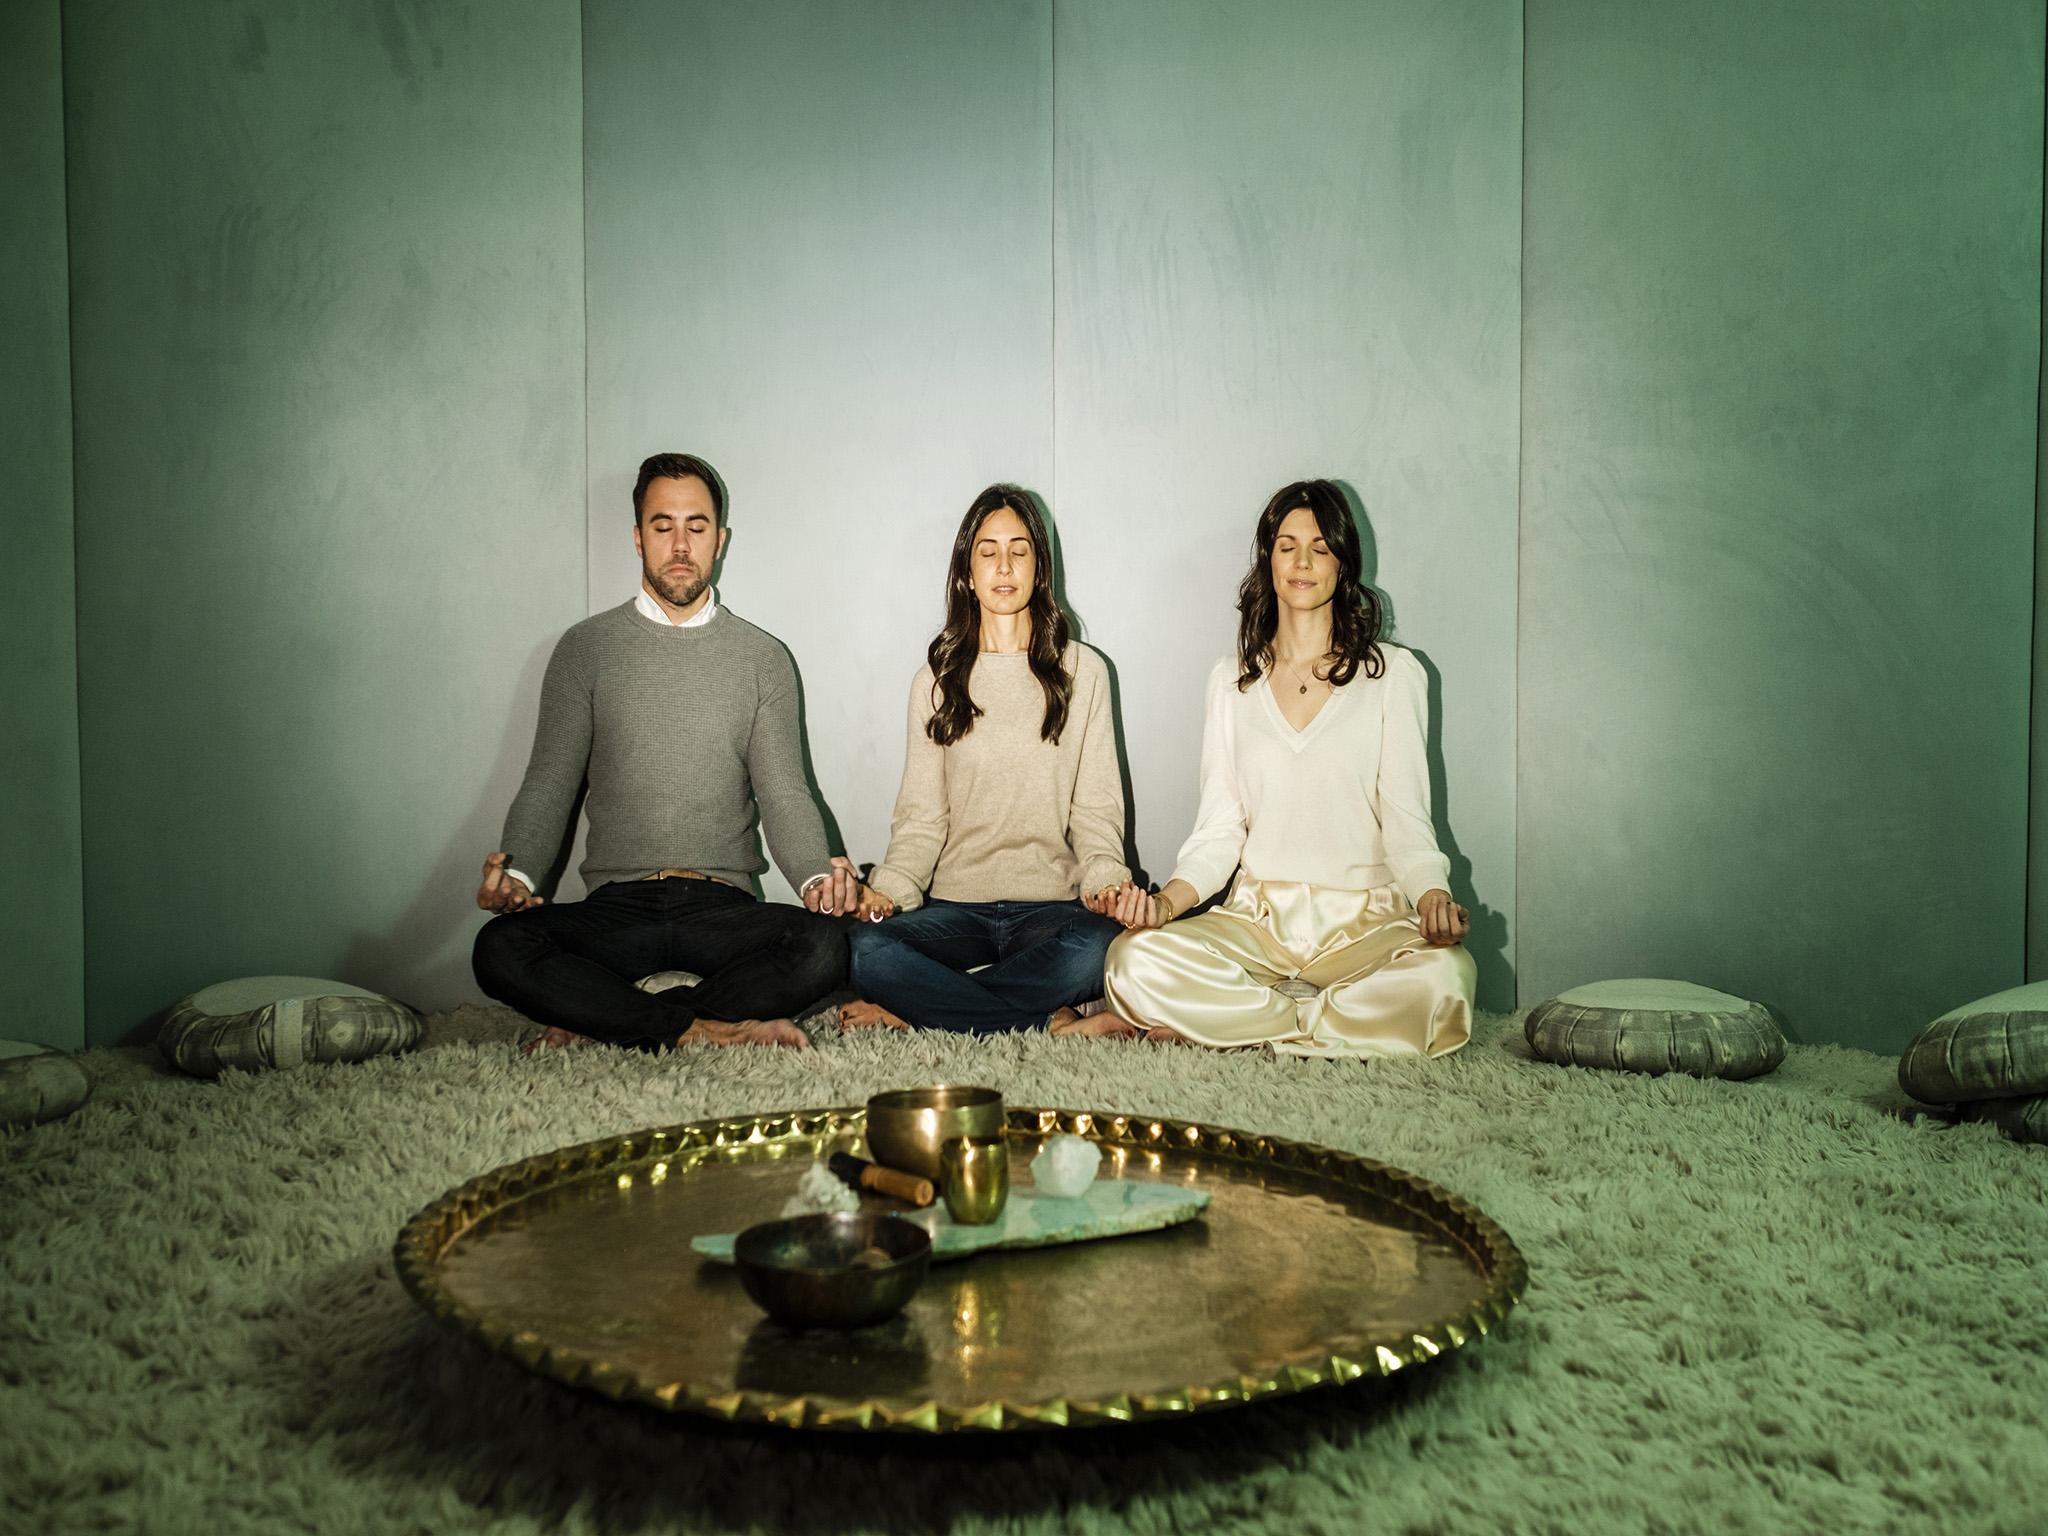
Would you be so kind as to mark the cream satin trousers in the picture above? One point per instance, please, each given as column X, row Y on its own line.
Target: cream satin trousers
column 1382, row 989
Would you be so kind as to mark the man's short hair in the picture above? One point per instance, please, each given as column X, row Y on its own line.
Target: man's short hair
column 679, row 466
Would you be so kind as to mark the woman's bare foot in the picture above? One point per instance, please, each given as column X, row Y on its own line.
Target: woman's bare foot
column 783, row 1032
column 865, row 1015
column 1100, row 1025
column 1166, row 1034
column 553, row 1039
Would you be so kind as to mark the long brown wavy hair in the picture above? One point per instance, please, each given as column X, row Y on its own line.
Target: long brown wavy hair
column 1354, row 608
column 953, row 650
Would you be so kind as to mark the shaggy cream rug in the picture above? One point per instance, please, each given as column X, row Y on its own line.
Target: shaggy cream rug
column 1768, row 1306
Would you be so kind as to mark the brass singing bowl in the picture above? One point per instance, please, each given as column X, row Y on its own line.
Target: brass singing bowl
column 906, row 1127
column 833, row 1270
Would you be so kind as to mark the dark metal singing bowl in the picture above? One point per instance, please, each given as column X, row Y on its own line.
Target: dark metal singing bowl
column 838, row 1270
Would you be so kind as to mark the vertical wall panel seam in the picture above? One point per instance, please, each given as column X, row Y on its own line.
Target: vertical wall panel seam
column 1052, row 256
column 77, row 566
column 583, row 283
column 2035, row 831
column 1521, row 467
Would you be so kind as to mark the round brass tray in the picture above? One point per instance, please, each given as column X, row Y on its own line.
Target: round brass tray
column 1310, row 1267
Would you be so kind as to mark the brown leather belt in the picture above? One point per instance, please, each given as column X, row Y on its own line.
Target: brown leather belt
column 686, row 874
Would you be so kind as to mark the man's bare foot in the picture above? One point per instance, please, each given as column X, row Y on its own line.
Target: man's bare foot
column 783, row 1032
column 553, row 1039
column 1100, row 1025
column 865, row 1015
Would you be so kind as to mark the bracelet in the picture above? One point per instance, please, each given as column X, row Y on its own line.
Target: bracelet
column 1166, row 908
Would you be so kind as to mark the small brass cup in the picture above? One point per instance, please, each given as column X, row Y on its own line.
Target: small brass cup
column 974, row 1176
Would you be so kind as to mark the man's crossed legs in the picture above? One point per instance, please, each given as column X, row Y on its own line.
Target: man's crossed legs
column 574, row 966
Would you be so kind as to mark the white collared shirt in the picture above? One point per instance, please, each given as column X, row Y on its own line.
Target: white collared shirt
column 644, row 601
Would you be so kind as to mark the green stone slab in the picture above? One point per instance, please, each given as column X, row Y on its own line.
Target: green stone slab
column 1109, row 1208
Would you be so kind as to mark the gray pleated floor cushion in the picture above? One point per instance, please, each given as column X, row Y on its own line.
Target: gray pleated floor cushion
column 38, row 1084
column 1648, row 1025
column 1994, row 1048
column 260, row 1022
column 1990, row 1057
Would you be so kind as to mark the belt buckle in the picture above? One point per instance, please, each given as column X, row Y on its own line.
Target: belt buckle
column 683, row 874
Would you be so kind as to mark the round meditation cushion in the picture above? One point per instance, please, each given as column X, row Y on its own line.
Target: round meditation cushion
column 1648, row 1025
column 1994, row 1048
column 261, row 1022
column 38, row 1084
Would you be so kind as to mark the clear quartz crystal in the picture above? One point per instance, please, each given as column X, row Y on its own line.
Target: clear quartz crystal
column 1065, row 1167
column 820, row 1190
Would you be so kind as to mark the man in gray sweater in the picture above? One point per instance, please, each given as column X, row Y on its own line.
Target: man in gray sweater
column 675, row 719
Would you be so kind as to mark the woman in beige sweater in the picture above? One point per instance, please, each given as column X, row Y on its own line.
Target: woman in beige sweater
column 1011, row 807
column 1339, row 936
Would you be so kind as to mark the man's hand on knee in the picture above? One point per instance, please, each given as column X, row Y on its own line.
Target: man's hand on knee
column 503, row 891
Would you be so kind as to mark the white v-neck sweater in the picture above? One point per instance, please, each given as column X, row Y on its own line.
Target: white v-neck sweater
column 1342, row 803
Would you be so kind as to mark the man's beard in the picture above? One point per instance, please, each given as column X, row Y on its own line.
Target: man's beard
column 677, row 591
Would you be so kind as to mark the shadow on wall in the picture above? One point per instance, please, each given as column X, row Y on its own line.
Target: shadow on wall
column 1116, row 692
column 1487, row 942
column 444, row 909
column 834, row 841
column 422, row 957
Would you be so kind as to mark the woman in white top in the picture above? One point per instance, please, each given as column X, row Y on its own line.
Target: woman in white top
column 1339, row 937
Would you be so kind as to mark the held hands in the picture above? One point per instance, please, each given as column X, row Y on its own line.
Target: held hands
column 839, row 890
column 842, row 891
column 1443, row 921
column 1129, row 904
column 502, row 891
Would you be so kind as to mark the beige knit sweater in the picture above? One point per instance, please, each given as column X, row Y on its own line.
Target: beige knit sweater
column 1002, row 814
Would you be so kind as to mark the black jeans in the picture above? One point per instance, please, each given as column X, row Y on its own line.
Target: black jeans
column 575, row 965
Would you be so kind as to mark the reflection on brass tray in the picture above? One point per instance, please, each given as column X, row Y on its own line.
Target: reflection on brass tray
column 887, row 1360
column 1312, row 1267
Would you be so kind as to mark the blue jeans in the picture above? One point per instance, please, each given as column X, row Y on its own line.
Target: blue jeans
column 1041, row 956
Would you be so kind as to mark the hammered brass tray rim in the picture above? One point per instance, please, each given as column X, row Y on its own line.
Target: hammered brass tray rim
column 436, row 1226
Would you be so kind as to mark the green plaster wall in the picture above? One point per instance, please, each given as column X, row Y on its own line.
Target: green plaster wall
column 819, row 255
column 1287, row 244
column 328, row 354
column 1782, row 285
column 1734, row 684
column 40, row 910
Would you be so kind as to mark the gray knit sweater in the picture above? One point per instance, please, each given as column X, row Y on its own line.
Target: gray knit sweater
column 678, row 734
